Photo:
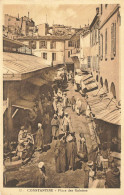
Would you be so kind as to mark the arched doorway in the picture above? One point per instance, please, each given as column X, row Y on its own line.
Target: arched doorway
column 112, row 90
column 106, row 85
column 101, row 81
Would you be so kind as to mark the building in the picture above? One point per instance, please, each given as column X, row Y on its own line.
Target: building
column 76, row 53
column 50, row 48
column 94, row 43
column 16, row 26
column 85, row 51
column 43, row 29
column 110, row 48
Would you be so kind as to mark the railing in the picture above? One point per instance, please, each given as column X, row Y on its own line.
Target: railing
column 76, row 50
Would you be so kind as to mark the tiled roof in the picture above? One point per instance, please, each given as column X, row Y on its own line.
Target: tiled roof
column 47, row 37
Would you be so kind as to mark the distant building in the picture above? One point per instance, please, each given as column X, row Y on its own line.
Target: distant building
column 76, row 53
column 43, row 29
column 85, row 51
column 52, row 49
column 18, row 26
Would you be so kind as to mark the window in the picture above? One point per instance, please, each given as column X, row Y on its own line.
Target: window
column 45, row 56
column 101, row 49
column 70, row 44
column 106, row 44
column 53, row 56
column 32, row 44
column 68, row 54
column 113, row 40
column 42, row 44
column 106, row 5
column 52, row 45
column 89, row 61
column 101, row 9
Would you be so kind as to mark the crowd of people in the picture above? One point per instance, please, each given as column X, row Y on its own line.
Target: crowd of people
column 100, row 170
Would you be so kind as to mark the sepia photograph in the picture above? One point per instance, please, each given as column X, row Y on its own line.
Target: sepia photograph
column 61, row 78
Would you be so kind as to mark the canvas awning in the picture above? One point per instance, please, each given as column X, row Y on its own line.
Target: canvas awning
column 24, row 104
column 37, row 81
column 91, row 86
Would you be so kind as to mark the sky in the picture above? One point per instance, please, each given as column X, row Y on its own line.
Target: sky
column 74, row 15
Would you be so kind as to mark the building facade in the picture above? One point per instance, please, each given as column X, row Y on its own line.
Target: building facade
column 94, row 43
column 53, row 50
column 110, row 48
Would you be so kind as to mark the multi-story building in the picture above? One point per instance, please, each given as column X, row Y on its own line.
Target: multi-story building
column 18, row 26
column 110, row 48
column 94, row 43
column 76, row 54
column 52, row 49
column 85, row 51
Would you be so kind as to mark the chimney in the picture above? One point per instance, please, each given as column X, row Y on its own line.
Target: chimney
column 28, row 14
column 97, row 10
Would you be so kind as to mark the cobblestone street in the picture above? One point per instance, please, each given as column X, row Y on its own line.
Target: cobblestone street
column 69, row 178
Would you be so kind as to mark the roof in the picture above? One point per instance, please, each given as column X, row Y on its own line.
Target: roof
column 105, row 109
column 12, row 43
column 81, row 31
column 94, row 20
column 16, row 65
column 24, row 104
column 102, row 104
column 47, row 37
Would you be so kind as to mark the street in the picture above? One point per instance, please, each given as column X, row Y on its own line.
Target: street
column 72, row 179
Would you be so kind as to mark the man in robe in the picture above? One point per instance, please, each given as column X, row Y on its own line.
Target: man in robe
column 39, row 137
column 71, row 151
column 60, row 154
column 78, row 106
column 66, row 122
column 39, row 177
column 55, row 126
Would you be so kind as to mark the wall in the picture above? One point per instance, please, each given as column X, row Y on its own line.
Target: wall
column 67, row 49
column 84, row 50
column 59, row 50
column 110, row 68
column 42, row 29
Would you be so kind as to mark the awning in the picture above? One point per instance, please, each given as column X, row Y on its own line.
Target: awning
column 105, row 109
column 26, row 105
column 87, row 76
column 37, row 81
column 91, row 86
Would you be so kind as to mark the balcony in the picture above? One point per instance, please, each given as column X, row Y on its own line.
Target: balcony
column 75, row 52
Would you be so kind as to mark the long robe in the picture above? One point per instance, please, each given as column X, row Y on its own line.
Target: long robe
column 71, row 153
column 55, row 127
column 60, row 156
column 39, row 138
column 39, row 180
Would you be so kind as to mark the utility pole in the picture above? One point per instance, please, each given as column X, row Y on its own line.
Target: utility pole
column 46, row 18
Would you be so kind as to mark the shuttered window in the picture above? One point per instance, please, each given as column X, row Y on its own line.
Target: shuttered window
column 113, row 40
column 101, row 49
column 106, row 43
